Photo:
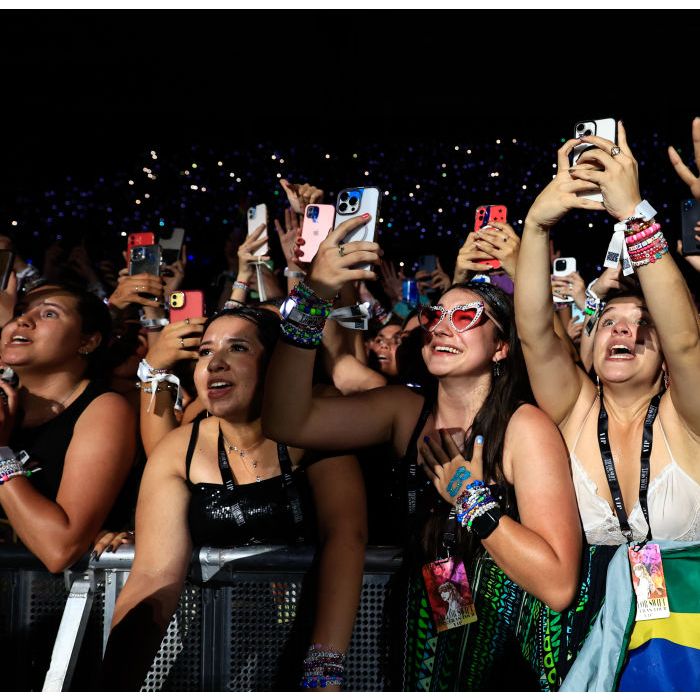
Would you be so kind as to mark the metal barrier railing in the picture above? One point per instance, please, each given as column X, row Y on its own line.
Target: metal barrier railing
column 242, row 623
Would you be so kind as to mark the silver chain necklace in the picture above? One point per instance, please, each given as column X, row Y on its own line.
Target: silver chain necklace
column 242, row 454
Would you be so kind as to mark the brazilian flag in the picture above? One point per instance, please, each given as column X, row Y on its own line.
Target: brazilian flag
column 665, row 654
column 649, row 655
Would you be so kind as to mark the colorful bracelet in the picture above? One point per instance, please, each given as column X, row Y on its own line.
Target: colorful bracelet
column 323, row 666
column 241, row 285
column 642, row 235
column 645, row 242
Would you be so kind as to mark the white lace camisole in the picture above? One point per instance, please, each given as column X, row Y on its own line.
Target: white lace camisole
column 673, row 500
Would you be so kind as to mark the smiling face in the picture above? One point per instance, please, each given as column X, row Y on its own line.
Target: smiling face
column 473, row 352
column 46, row 331
column 384, row 346
column 626, row 345
column 227, row 374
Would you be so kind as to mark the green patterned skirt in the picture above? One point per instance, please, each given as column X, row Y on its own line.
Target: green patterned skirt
column 517, row 643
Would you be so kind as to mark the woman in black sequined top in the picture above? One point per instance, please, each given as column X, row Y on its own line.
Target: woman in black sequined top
column 220, row 482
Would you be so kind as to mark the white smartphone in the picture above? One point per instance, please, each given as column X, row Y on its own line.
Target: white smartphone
column 561, row 267
column 355, row 201
column 605, row 128
column 258, row 215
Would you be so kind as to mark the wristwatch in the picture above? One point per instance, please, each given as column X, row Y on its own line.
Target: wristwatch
column 483, row 525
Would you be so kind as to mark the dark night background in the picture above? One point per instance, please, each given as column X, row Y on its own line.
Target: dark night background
column 88, row 94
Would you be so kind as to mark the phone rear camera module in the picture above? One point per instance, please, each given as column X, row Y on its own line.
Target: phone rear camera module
column 560, row 265
column 251, row 213
column 312, row 213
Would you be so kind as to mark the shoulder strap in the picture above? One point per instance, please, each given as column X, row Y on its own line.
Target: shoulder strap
column 194, row 436
column 410, row 460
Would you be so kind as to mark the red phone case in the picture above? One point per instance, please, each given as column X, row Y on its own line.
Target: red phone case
column 484, row 214
column 138, row 239
column 193, row 306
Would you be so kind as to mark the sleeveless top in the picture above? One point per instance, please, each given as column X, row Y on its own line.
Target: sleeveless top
column 419, row 488
column 271, row 511
column 47, row 445
column 673, row 502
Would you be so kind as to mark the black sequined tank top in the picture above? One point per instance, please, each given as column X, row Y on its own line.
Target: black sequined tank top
column 271, row 511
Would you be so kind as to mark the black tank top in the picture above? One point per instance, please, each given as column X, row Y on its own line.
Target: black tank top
column 271, row 511
column 421, row 496
column 47, row 445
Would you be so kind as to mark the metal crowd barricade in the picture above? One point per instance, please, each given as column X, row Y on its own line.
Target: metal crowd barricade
column 242, row 623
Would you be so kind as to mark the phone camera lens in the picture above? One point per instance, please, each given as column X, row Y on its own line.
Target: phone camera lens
column 580, row 127
column 342, row 207
column 587, row 132
column 343, row 196
column 353, row 200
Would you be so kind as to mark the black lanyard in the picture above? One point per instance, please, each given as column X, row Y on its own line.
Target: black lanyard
column 289, row 487
column 609, row 464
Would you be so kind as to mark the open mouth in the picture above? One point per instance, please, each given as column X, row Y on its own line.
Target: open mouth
column 620, row 352
column 218, row 387
column 19, row 340
column 446, row 349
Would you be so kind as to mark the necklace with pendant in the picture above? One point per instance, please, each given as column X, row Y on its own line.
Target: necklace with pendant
column 242, row 454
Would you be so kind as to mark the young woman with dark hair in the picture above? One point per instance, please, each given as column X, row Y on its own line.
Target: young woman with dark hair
column 79, row 437
column 496, row 463
column 633, row 431
column 219, row 482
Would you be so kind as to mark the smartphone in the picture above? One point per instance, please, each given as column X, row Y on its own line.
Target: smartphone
column 560, row 268
column 605, row 128
column 690, row 215
column 7, row 260
column 318, row 222
column 484, row 214
column 258, row 215
column 355, row 201
column 171, row 246
column 137, row 239
column 144, row 258
column 186, row 304
column 7, row 374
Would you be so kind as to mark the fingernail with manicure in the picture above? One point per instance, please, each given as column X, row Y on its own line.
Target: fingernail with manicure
column 365, row 216
column 479, row 440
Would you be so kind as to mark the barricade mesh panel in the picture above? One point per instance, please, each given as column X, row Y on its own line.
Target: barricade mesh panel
column 177, row 666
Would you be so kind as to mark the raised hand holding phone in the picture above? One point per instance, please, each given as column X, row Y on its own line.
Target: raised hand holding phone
column 501, row 241
column 333, row 265
column 618, row 180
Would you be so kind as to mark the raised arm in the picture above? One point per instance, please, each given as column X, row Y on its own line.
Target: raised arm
column 556, row 380
column 666, row 294
column 177, row 341
column 163, row 550
column 290, row 413
column 96, row 465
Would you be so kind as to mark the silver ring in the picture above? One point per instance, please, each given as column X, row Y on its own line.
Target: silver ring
column 182, row 343
column 341, row 250
column 615, row 151
column 187, row 321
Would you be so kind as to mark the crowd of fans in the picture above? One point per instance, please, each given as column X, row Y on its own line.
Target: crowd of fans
column 462, row 420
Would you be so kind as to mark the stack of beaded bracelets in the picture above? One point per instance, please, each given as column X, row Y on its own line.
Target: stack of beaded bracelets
column 304, row 315
column 323, row 666
column 474, row 501
column 10, row 468
column 645, row 242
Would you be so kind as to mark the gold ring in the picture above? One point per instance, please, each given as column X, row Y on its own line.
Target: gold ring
column 341, row 250
column 615, row 151
column 182, row 343
column 187, row 321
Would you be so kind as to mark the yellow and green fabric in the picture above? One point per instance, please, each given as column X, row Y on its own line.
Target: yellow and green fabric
column 650, row 655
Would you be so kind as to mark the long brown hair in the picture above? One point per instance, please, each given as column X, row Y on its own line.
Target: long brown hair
column 509, row 389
